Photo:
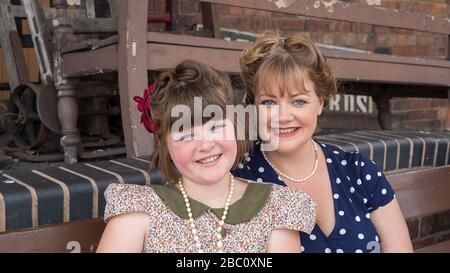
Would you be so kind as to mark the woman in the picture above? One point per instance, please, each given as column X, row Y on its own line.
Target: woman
column 357, row 208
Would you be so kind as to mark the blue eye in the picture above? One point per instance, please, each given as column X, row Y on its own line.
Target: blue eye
column 299, row 102
column 268, row 102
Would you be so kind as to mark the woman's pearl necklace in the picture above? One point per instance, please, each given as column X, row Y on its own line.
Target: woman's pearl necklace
column 294, row 179
column 194, row 231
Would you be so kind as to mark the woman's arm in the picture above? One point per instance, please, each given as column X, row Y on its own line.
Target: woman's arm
column 392, row 228
column 124, row 233
column 284, row 241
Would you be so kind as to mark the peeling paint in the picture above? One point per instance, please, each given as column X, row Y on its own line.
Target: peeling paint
column 328, row 4
column 283, row 3
column 374, row 2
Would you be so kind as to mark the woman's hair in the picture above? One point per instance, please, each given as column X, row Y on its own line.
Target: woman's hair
column 187, row 81
column 285, row 61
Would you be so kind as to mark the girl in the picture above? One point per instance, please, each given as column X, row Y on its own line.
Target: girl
column 357, row 209
column 203, row 208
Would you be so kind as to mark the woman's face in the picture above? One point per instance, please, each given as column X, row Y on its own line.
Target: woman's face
column 204, row 154
column 291, row 119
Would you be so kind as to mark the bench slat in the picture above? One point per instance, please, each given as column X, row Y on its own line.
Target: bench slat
column 422, row 192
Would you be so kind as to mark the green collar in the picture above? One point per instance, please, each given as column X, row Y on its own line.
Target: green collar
column 243, row 210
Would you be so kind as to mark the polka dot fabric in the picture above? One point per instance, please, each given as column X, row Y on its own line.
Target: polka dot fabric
column 359, row 188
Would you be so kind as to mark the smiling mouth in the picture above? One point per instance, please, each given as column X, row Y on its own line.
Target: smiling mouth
column 210, row 159
column 286, row 131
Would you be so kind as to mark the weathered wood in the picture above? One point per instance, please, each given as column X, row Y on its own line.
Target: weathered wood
column 80, row 23
column 350, row 12
column 41, row 36
column 13, row 55
column 423, row 191
column 166, row 49
column 73, row 237
column 132, row 56
column 210, row 19
column 114, row 8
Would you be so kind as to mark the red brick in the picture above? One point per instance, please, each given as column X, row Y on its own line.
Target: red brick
column 422, row 125
column 381, row 39
column 413, row 227
column 314, row 25
column 443, row 237
column 409, row 103
column 188, row 7
column 291, row 24
column 426, row 226
column 440, row 9
column 416, row 115
column 423, row 8
column 159, row 6
column 439, row 103
column 356, row 27
column 382, row 30
column 235, row 11
column 420, row 243
column 441, row 221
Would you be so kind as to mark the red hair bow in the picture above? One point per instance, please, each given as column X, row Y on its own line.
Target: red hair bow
column 143, row 106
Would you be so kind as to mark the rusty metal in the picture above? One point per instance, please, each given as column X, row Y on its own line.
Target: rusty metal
column 24, row 119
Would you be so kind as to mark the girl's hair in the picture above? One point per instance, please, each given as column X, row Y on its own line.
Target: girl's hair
column 285, row 61
column 188, row 80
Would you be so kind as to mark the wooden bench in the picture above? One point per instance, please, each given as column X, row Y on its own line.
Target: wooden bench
column 57, row 209
column 134, row 54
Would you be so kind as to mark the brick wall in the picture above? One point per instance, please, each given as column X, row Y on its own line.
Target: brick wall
column 408, row 113
column 429, row 229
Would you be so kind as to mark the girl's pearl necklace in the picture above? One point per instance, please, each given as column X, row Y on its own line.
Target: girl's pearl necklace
column 194, row 231
column 294, row 179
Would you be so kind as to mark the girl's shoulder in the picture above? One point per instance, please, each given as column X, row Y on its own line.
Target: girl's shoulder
column 126, row 198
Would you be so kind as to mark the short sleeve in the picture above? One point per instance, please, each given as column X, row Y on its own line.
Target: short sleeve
column 124, row 198
column 293, row 209
column 379, row 191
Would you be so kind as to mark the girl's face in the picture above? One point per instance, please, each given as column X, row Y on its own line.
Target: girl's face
column 292, row 118
column 204, row 154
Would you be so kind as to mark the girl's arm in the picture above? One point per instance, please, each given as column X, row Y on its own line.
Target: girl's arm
column 284, row 241
column 125, row 233
column 392, row 228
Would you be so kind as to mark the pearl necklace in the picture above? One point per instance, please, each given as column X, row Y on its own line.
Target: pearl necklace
column 294, row 179
column 221, row 222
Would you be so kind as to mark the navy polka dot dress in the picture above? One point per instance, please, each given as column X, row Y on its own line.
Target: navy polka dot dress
column 358, row 188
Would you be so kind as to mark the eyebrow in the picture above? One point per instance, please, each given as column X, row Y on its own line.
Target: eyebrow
column 306, row 93
column 267, row 95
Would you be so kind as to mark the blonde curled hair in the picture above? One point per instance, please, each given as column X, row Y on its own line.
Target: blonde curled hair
column 287, row 61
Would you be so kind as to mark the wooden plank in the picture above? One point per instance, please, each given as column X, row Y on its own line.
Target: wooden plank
column 210, row 20
column 350, row 12
column 7, row 25
column 443, row 247
column 132, row 56
column 165, row 50
column 422, row 192
column 73, row 237
column 102, row 60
